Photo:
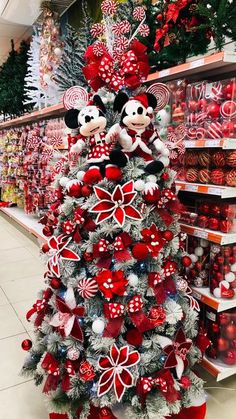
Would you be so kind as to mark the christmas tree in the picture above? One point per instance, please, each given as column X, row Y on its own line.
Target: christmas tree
column 35, row 95
column 116, row 326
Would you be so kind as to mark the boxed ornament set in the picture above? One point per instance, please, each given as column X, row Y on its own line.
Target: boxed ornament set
column 221, row 331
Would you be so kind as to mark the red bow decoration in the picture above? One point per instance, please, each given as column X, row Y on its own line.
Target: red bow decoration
column 177, row 352
column 116, row 205
column 152, row 236
column 59, row 250
column 67, row 317
column 103, row 250
column 51, row 366
column 70, row 372
column 116, row 371
column 111, row 283
column 114, row 312
column 160, row 289
column 146, row 384
column 86, row 371
column 40, row 307
column 173, row 10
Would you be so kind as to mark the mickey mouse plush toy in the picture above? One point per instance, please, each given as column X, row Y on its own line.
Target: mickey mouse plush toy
column 92, row 122
column 136, row 133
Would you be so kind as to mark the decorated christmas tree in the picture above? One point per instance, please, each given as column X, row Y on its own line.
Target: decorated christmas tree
column 116, row 326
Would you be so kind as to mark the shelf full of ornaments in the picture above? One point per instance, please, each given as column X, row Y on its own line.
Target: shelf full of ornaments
column 29, row 154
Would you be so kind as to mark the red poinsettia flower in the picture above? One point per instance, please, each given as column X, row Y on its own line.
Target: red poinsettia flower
column 152, row 236
column 58, row 249
column 111, row 283
column 116, row 371
column 177, row 353
column 116, row 205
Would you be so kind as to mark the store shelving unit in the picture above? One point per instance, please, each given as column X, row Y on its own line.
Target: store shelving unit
column 28, row 222
column 224, row 143
column 222, row 191
column 219, row 370
column 212, row 236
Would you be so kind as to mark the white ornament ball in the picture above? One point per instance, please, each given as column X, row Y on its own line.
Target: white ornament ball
column 224, row 284
column 80, row 175
column 230, row 277
column 163, row 117
column 73, row 354
column 58, row 51
column 193, row 257
column 204, row 242
column 133, row 280
column 63, row 181
column 151, row 178
column 139, row 185
column 217, row 292
column 98, row 326
column 46, row 78
column 199, row 251
column 233, row 267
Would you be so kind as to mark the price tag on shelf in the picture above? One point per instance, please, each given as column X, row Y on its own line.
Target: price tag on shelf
column 196, row 63
column 200, row 233
column 214, row 191
column 212, row 143
column 189, row 144
column 191, row 188
column 164, row 73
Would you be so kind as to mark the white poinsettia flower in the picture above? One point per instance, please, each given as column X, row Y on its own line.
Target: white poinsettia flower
column 174, row 312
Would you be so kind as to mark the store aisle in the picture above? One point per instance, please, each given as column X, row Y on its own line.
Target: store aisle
column 21, row 273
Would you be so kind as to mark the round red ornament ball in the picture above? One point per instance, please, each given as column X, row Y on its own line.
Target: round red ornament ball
column 227, row 129
column 213, row 223
column 222, row 344
column 48, row 231
column 159, row 17
column 186, row 261
column 218, row 177
column 230, row 357
column 86, row 191
column 193, row 105
column 230, row 331
column 204, row 159
column 45, row 248
column 204, row 176
column 218, row 159
column 226, row 226
column 55, row 283
column 230, row 177
column 152, row 196
column 134, row 337
column 229, row 91
column 74, row 190
column 231, row 158
column 227, row 211
column 192, row 175
column 224, row 319
column 191, row 159
column 213, row 110
column 204, row 208
column 167, row 235
column 140, row 251
column 26, row 344
column 215, row 210
column 165, row 176
column 202, row 221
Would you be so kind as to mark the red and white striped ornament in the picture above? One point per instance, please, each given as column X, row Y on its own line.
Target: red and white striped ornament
column 214, row 130
column 109, row 7
column 217, row 91
column 144, row 30
column 33, row 142
column 191, row 119
column 139, row 13
column 162, row 94
column 56, row 141
column 73, row 96
column 200, row 133
column 120, row 45
column 228, row 109
column 97, row 30
column 99, row 48
column 87, row 288
column 191, row 133
column 201, row 117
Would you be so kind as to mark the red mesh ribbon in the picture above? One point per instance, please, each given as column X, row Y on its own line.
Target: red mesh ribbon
column 58, row 416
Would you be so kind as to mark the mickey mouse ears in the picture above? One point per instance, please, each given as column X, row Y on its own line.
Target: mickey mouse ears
column 75, row 98
column 161, row 93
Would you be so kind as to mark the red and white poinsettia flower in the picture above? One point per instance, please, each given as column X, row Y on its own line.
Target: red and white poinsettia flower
column 116, row 371
column 116, row 205
column 58, row 249
column 176, row 351
column 67, row 317
column 152, row 236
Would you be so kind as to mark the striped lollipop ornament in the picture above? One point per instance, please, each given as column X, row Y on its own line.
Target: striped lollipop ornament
column 162, row 94
column 75, row 97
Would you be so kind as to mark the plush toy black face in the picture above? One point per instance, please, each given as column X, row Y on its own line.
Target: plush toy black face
column 134, row 115
column 90, row 120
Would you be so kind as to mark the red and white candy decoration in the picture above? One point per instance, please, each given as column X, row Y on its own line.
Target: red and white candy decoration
column 87, row 288
column 99, row 48
column 162, row 94
column 121, row 28
column 201, row 117
column 109, row 7
column 200, row 133
column 73, row 96
column 214, row 130
column 144, row 30
column 217, row 91
column 191, row 134
column 139, row 13
column 97, row 30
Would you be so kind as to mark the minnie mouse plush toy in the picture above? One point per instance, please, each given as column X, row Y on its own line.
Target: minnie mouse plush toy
column 92, row 122
column 136, row 133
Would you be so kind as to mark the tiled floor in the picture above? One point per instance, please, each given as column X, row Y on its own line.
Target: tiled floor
column 21, row 273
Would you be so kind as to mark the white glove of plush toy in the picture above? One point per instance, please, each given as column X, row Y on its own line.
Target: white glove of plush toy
column 161, row 148
column 78, row 147
column 125, row 140
column 113, row 134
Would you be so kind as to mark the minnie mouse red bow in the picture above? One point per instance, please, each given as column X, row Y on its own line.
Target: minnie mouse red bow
column 103, row 250
column 114, row 312
column 40, row 307
column 59, row 250
column 67, row 317
column 51, row 366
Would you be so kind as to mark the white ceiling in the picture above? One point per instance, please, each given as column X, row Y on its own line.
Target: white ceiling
column 16, row 18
